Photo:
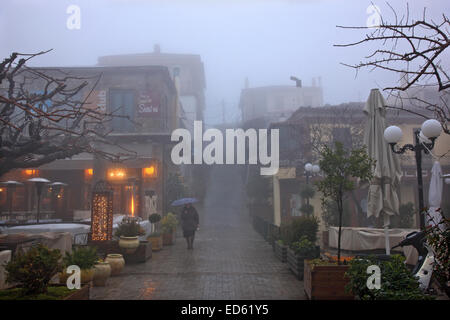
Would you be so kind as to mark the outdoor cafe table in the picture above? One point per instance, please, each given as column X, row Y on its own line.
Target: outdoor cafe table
column 366, row 239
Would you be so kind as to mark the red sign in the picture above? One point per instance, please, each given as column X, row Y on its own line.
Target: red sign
column 149, row 104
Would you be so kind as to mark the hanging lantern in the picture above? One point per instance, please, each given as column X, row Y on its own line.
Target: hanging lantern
column 102, row 212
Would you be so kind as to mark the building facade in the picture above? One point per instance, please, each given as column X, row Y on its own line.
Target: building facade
column 144, row 99
column 308, row 128
column 277, row 102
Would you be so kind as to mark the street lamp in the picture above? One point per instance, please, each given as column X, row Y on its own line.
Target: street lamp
column 56, row 188
column 424, row 141
column 309, row 170
column 10, row 186
column 39, row 183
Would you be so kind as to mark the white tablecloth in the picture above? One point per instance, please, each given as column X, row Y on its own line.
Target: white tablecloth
column 363, row 239
column 72, row 228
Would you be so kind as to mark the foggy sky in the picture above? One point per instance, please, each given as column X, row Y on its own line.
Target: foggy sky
column 264, row 40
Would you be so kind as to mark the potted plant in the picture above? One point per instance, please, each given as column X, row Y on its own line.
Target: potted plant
column 83, row 257
column 340, row 167
column 297, row 252
column 31, row 273
column 155, row 237
column 168, row 226
column 128, row 232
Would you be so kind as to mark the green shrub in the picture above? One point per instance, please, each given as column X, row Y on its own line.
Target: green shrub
column 154, row 218
column 304, row 248
column 83, row 257
column 397, row 282
column 129, row 227
column 299, row 227
column 307, row 209
column 34, row 269
column 169, row 223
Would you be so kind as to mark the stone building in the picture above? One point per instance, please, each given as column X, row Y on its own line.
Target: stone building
column 308, row 128
column 275, row 103
column 145, row 94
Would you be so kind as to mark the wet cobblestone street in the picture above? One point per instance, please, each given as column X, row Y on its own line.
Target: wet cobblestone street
column 229, row 260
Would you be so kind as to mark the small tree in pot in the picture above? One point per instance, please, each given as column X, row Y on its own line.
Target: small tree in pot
column 155, row 237
column 168, row 226
column 340, row 168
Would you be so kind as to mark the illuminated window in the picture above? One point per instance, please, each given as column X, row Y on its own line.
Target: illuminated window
column 31, row 172
column 88, row 173
column 116, row 174
column 149, row 172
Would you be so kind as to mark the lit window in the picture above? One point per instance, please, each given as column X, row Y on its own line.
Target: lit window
column 116, row 173
column 149, row 172
column 31, row 172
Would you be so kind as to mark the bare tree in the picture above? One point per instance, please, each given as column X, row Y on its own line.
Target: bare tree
column 44, row 116
column 413, row 49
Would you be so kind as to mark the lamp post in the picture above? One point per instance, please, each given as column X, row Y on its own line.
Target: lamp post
column 424, row 141
column 39, row 183
column 56, row 189
column 309, row 170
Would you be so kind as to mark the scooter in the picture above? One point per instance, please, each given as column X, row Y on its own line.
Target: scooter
column 423, row 270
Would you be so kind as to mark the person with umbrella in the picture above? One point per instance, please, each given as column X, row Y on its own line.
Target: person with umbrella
column 189, row 219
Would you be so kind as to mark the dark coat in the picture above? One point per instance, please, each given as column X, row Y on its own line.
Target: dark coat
column 189, row 219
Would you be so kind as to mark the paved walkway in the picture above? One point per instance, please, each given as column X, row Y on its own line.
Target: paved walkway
column 229, row 260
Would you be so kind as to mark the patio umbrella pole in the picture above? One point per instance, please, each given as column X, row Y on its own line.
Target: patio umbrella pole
column 387, row 219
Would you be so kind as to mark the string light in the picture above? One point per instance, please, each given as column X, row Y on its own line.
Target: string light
column 102, row 212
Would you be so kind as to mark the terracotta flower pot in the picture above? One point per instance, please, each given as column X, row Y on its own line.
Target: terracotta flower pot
column 116, row 262
column 157, row 243
column 101, row 274
column 129, row 244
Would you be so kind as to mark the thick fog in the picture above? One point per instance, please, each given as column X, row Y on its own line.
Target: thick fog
column 264, row 40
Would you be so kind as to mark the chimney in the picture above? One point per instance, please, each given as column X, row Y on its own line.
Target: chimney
column 313, row 82
column 156, row 49
column 246, row 83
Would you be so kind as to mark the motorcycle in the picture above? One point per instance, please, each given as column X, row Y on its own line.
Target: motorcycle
column 423, row 270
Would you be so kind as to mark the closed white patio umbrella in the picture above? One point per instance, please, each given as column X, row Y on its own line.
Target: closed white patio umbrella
column 384, row 186
column 435, row 196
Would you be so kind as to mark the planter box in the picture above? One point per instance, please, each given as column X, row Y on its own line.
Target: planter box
column 296, row 262
column 157, row 243
column 326, row 282
column 281, row 252
column 169, row 238
column 142, row 254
